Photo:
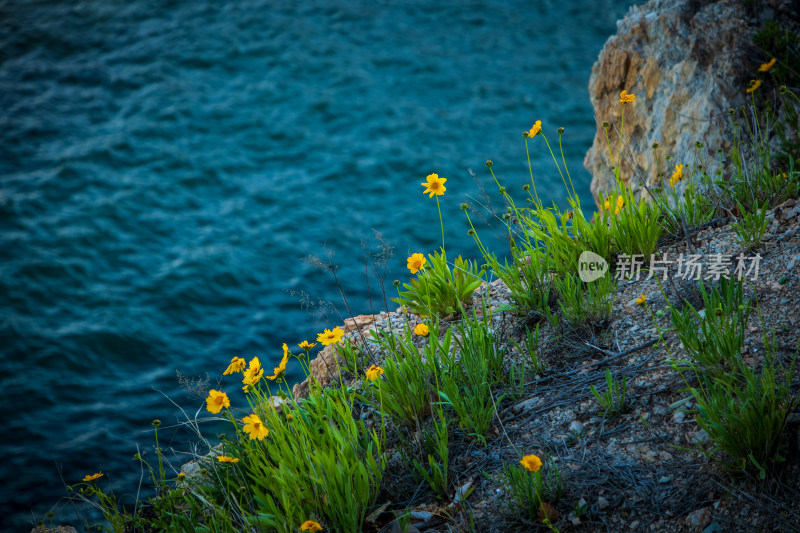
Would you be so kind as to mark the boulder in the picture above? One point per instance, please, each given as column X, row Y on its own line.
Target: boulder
column 688, row 62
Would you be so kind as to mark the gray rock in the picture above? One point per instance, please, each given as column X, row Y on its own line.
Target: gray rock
column 678, row 417
column 576, row 427
column 699, row 519
column 602, row 503
column 714, row 527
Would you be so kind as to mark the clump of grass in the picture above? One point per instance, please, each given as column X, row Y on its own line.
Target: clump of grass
column 744, row 411
column 613, row 400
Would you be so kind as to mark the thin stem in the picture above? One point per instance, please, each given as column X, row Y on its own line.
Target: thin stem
column 530, row 168
column 441, row 223
column 561, row 149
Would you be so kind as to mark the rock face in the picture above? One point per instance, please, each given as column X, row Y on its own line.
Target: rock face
column 687, row 62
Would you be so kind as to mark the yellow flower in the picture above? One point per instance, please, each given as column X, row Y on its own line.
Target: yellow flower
column 641, row 300
column 216, row 401
column 373, row 372
column 416, row 263
column 434, row 185
column 607, row 204
column 254, row 427
column 237, row 365
column 421, row 330
column 253, row 373
column 531, row 463
column 766, row 66
column 306, row 346
column 310, row 526
column 676, row 176
column 224, row 459
column 290, row 417
column 281, row 368
column 181, row 476
column 246, row 389
column 535, row 130
column 625, row 98
column 620, row 202
column 754, row 85
column 330, row 337
column 89, row 478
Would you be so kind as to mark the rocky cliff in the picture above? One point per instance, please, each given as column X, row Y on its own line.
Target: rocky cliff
column 687, row 62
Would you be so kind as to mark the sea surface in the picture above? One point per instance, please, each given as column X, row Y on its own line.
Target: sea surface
column 165, row 166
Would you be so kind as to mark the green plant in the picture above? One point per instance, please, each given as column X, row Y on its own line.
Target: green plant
column 532, row 346
column 321, row 462
column 527, row 277
column 409, row 382
column 613, row 399
column 435, row 444
column 713, row 338
column 439, row 291
column 586, row 304
column 637, row 225
column 751, row 227
column 745, row 413
column 530, row 485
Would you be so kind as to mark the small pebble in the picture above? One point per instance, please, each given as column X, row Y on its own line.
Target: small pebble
column 678, row 417
column 576, row 427
column 665, row 479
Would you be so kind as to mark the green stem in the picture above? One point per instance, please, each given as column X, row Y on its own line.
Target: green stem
column 530, row 169
column 566, row 168
column 441, row 223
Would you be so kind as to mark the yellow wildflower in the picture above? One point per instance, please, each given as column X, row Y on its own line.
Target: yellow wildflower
column 676, row 176
column 306, row 346
column 310, row 526
column 246, row 389
column 89, row 478
column 531, row 463
column 620, row 204
column 754, row 85
column 766, row 66
column 280, row 369
column 434, row 185
column 253, row 373
column 625, row 98
column 181, row 476
column 416, row 263
column 216, row 401
column 373, row 372
column 641, row 300
column 330, row 337
column 422, row 330
column 535, row 130
column 255, row 427
column 237, row 365
column 290, row 417
column 607, row 204
column 224, row 459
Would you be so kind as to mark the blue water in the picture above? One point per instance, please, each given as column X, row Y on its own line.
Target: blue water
column 166, row 165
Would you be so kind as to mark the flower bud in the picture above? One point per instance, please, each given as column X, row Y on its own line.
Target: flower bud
column 470, row 231
column 396, row 283
column 464, row 206
column 731, row 111
column 502, row 190
column 782, row 89
column 605, row 125
column 560, row 131
column 698, row 144
column 506, row 216
column 655, row 145
column 156, row 422
column 526, row 187
column 489, row 163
